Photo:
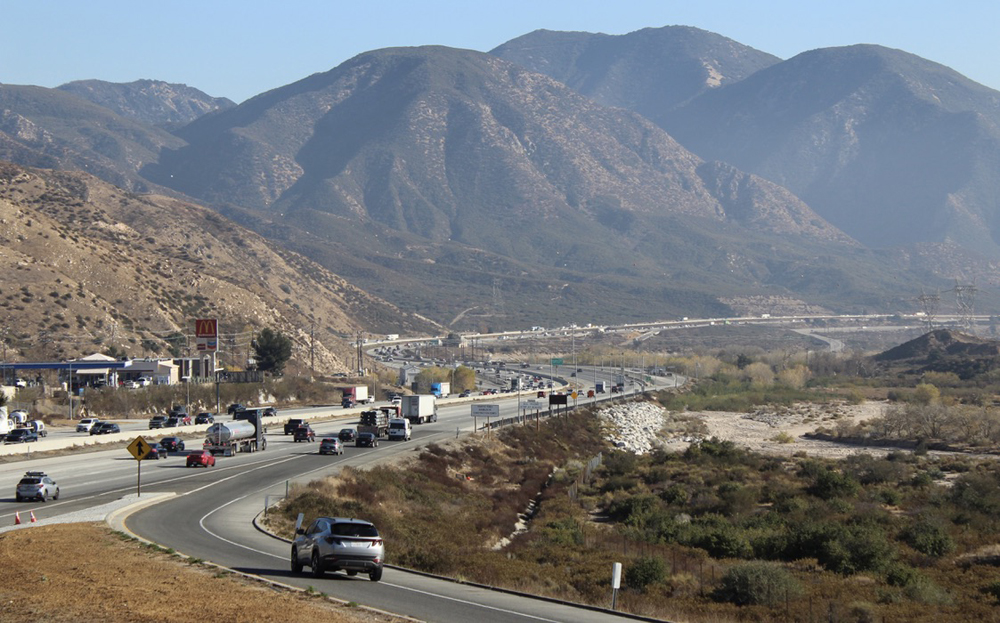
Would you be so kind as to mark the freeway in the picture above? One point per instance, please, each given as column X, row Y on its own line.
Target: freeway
column 210, row 516
column 213, row 520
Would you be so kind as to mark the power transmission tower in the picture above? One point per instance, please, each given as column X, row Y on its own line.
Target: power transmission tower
column 498, row 306
column 929, row 305
column 965, row 296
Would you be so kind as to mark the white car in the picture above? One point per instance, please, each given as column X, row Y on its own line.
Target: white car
column 86, row 424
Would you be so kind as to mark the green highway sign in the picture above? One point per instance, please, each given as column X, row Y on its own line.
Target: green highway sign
column 557, row 362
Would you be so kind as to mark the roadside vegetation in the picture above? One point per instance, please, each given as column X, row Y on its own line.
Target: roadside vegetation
column 713, row 533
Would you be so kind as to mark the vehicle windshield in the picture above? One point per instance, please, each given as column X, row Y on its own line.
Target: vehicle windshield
column 353, row 529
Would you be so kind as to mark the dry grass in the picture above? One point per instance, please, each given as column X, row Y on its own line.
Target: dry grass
column 86, row 572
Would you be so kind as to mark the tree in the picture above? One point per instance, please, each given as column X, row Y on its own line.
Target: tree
column 272, row 350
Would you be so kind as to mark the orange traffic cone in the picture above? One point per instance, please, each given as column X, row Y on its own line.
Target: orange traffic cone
column 17, row 519
column 33, row 520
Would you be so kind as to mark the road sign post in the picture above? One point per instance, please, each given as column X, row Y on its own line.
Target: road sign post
column 140, row 449
column 486, row 411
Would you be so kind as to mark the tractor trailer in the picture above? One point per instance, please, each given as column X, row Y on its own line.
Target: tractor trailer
column 243, row 435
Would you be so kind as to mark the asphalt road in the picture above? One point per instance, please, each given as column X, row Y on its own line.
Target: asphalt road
column 210, row 516
column 212, row 520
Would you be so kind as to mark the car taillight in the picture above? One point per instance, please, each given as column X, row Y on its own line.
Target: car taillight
column 376, row 542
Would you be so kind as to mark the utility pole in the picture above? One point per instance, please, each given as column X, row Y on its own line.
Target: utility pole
column 361, row 361
column 312, row 348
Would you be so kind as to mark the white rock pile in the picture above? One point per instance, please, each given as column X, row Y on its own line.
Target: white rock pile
column 633, row 426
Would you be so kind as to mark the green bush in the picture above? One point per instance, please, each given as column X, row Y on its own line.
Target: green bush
column 833, row 484
column 757, row 583
column 645, row 571
column 861, row 548
column 928, row 538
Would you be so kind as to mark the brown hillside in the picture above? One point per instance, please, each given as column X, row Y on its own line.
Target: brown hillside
column 86, row 266
column 940, row 343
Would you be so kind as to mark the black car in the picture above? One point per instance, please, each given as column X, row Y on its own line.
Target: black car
column 182, row 419
column 293, row 424
column 156, row 452
column 172, row 444
column 347, row 434
column 204, row 418
column 158, row 421
column 105, row 428
column 235, row 408
column 366, row 440
column 304, row 433
column 21, row 435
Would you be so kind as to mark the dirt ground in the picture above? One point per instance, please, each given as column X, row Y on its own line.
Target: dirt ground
column 758, row 431
column 87, row 572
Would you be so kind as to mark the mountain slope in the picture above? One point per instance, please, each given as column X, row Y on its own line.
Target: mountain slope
column 87, row 266
column 51, row 128
column 153, row 102
column 650, row 71
column 889, row 147
column 423, row 155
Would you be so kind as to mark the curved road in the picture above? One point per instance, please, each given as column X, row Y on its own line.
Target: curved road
column 213, row 520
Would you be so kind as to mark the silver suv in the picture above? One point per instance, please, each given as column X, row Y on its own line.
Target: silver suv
column 335, row 543
column 37, row 486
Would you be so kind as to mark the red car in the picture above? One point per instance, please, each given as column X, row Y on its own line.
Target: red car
column 203, row 458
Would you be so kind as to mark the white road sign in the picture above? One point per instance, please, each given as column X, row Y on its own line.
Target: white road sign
column 485, row 410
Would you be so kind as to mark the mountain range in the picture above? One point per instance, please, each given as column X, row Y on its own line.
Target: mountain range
column 573, row 176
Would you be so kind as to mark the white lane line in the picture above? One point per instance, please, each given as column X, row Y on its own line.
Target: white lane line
column 471, row 603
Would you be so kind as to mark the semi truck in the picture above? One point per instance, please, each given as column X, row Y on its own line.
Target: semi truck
column 441, row 390
column 241, row 435
column 420, row 408
column 375, row 422
column 357, row 394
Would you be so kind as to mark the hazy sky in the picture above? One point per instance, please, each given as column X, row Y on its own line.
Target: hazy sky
column 237, row 49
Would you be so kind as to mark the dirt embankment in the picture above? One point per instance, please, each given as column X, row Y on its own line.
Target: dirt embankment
column 86, row 572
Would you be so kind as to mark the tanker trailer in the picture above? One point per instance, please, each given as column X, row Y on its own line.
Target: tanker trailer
column 243, row 435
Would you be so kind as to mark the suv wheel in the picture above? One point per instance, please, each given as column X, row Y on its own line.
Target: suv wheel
column 56, row 496
column 317, row 566
column 375, row 574
column 20, row 498
column 296, row 563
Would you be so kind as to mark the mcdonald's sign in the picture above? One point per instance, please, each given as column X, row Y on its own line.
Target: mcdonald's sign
column 206, row 333
column 206, row 327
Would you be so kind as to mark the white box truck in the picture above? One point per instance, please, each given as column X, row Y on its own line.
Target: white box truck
column 420, row 408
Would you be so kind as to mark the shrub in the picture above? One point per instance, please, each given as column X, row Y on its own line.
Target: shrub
column 645, row 571
column 992, row 589
column 861, row 548
column 757, row 583
column 833, row 484
column 928, row 538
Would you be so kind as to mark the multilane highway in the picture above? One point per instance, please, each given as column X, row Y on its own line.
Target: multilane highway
column 210, row 516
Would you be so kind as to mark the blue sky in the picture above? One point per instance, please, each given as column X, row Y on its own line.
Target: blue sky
column 237, row 49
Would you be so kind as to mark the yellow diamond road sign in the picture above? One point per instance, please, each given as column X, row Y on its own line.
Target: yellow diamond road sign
column 139, row 448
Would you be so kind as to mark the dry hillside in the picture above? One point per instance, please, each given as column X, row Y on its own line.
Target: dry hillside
column 85, row 266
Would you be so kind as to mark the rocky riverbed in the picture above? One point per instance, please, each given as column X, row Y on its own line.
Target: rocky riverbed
column 633, row 426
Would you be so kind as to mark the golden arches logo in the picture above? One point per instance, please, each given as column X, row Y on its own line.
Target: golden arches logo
column 206, row 327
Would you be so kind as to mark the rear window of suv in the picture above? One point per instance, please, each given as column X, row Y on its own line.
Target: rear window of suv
column 353, row 529
column 30, row 481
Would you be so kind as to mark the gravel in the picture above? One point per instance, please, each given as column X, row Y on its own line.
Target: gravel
column 93, row 514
